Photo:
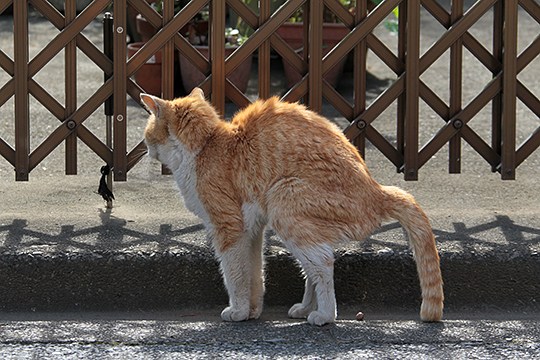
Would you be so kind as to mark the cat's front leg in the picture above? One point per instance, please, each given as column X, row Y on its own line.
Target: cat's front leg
column 236, row 269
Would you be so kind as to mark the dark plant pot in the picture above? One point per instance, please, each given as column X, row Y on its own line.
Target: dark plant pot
column 147, row 76
column 192, row 76
column 145, row 30
column 293, row 34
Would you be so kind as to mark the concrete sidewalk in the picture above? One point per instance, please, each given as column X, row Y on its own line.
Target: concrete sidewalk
column 61, row 250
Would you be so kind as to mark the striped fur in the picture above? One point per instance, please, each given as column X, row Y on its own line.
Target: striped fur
column 280, row 165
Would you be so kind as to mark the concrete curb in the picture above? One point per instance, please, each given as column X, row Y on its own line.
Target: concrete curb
column 175, row 280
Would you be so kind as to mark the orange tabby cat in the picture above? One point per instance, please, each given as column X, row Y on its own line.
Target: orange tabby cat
column 280, row 165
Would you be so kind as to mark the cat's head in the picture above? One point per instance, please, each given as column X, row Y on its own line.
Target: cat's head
column 184, row 122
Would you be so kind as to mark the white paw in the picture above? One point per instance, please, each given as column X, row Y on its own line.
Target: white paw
column 299, row 311
column 234, row 314
column 319, row 319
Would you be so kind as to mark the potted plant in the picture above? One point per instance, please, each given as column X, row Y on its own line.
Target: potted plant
column 198, row 37
column 292, row 32
column 148, row 76
column 144, row 29
column 333, row 31
column 196, row 31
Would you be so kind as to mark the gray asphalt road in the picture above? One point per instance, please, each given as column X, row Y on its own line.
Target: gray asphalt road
column 200, row 334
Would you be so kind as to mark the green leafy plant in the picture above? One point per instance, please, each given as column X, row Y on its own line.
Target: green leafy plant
column 233, row 37
column 390, row 24
column 198, row 28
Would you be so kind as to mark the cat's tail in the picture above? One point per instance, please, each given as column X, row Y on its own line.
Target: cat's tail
column 401, row 206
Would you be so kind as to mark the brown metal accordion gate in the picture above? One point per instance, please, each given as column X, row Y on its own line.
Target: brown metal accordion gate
column 502, row 153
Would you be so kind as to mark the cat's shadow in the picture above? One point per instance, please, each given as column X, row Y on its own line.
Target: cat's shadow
column 500, row 235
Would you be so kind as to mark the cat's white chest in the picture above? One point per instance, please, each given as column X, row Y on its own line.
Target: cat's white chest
column 186, row 179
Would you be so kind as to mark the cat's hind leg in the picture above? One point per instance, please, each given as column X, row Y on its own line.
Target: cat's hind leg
column 301, row 215
column 308, row 304
column 257, row 273
column 319, row 303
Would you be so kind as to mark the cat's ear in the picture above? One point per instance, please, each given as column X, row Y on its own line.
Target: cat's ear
column 153, row 103
column 197, row 92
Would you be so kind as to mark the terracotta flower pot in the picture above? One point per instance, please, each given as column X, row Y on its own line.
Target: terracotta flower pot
column 192, row 76
column 145, row 30
column 147, row 76
column 293, row 34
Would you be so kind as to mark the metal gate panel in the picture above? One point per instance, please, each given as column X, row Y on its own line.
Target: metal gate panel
column 503, row 62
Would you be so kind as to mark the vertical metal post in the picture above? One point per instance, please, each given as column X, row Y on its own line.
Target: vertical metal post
column 22, row 116
column 401, row 101
column 217, row 54
column 496, row 104
column 120, row 90
column 167, row 65
column 508, row 155
column 359, row 77
column 411, row 87
column 456, row 57
column 264, row 53
column 71, row 90
column 306, row 46
column 315, row 54
column 109, row 108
